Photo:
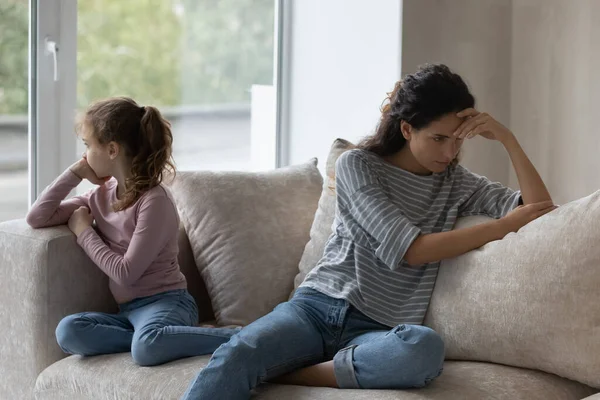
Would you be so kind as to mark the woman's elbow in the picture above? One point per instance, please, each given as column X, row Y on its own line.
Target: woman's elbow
column 412, row 259
column 413, row 255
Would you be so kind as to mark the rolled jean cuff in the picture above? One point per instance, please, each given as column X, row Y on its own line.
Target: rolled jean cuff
column 343, row 367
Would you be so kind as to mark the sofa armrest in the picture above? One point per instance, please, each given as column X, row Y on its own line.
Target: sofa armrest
column 46, row 276
column 593, row 397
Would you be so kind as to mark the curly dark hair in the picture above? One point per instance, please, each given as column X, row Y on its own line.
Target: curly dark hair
column 145, row 136
column 419, row 99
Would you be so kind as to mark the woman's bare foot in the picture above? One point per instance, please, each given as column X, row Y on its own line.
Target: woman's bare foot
column 320, row 375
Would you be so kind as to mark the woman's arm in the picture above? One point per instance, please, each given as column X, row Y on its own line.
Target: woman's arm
column 533, row 189
column 443, row 245
column 360, row 195
column 439, row 246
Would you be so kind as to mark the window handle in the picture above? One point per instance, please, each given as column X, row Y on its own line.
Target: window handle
column 52, row 48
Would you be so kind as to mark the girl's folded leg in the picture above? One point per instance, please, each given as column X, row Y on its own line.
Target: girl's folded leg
column 93, row 333
column 165, row 331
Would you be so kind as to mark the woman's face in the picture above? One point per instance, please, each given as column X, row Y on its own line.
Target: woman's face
column 434, row 147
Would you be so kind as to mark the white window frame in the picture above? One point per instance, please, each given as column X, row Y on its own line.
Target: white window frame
column 52, row 144
column 281, row 80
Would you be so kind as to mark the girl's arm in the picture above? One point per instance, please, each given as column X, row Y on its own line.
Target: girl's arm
column 157, row 223
column 50, row 208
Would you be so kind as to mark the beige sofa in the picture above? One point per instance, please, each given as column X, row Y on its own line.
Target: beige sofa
column 47, row 276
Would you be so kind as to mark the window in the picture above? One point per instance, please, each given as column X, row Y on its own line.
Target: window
column 208, row 66
column 14, row 182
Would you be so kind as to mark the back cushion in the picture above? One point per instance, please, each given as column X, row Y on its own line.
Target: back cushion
column 247, row 232
column 195, row 284
column 321, row 227
column 530, row 300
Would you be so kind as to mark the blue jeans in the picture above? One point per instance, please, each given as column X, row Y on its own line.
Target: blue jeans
column 156, row 329
column 313, row 328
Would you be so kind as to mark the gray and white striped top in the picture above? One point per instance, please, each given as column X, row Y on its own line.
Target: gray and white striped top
column 380, row 210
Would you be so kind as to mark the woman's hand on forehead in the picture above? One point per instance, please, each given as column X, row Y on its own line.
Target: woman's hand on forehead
column 482, row 124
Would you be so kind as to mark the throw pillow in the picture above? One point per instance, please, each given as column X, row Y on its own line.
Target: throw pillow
column 530, row 300
column 321, row 227
column 247, row 231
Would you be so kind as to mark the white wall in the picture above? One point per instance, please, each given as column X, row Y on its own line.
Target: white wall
column 472, row 37
column 533, row 64
column 555, row 92
column 345, row 56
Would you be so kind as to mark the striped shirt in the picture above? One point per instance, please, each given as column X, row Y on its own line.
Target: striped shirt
column 380, row 210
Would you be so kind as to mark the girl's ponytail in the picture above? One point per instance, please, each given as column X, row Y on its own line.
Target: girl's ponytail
column 153, row 156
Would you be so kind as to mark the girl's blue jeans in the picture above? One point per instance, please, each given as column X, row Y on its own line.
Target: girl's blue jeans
column 156, row 329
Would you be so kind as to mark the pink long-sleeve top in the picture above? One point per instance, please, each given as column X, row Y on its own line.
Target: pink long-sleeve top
column 136, row 248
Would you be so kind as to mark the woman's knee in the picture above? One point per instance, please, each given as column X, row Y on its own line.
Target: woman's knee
column 408, row 356
column 421, row 339
column 418, row 348
column 426, row 350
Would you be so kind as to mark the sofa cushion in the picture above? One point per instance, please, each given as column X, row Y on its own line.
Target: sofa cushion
column 529, row 300
column 321, row 226
column 247, row 231
column 115, row 377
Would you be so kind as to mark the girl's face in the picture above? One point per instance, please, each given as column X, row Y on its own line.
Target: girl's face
column 98, row 155
column 434, row 147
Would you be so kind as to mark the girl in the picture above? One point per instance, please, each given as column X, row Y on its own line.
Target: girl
column 135, row 240
column 356, row 320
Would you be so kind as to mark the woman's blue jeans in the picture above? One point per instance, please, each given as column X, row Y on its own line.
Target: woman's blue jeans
column 313, row 328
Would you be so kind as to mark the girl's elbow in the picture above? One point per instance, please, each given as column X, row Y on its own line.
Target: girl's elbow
column 125, row 277
column 123, row 280
column 33, row 222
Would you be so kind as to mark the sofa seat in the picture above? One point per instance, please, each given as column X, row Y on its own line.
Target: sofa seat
column 116, row 377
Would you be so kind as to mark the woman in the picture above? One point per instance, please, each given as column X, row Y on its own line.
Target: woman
column 356, row 320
